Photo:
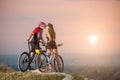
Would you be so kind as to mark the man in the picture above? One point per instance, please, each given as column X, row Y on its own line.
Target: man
column 36, row 35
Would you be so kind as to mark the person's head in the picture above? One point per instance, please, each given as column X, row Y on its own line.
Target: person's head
column 51, row 30
column 50, row 27
column 42, row 25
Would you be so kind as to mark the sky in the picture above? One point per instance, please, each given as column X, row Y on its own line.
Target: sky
column 75, row 22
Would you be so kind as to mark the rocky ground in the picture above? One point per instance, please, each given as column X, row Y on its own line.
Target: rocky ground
column 7, row 73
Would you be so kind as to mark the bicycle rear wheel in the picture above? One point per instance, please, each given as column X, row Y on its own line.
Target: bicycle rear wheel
column 61, row 63
column 23, row 61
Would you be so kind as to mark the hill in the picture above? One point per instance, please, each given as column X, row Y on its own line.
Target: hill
column 4, row 68
column 7, row 73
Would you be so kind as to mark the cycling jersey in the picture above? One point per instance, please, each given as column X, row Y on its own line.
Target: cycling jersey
column 38, row 32
column 37, row 35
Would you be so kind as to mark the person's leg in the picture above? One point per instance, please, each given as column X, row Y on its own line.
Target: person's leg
column 31, row 55
column 49, row 53
column 56, row 57
column 32, row 52
column 33, row 46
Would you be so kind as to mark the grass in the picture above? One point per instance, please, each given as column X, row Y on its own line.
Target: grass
column 29, row 76
column 4, row 68
column 7, row 73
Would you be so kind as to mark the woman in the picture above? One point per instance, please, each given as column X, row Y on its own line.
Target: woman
column 51, row 44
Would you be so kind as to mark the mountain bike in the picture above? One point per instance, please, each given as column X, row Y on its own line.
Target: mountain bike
column 50, row 59
column 25, row 62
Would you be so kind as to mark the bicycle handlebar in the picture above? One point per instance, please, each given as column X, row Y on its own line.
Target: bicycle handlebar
column 40, row 41
column 60, row 44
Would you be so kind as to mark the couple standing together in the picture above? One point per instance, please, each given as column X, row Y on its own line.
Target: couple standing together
column 36, row 35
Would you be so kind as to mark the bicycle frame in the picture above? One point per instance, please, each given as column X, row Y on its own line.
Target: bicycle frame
column 37, row 51
column 52, row 55
column 49, row 59
column 29, row 47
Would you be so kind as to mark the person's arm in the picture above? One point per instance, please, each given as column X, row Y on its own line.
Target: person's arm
column 48, row 35
column 29, row 37
column 41, row 36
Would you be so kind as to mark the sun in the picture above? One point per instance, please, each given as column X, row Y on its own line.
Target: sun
column 93, row 39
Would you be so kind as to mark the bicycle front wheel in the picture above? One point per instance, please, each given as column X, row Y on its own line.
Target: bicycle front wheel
column 23, row 61
column 61, row 63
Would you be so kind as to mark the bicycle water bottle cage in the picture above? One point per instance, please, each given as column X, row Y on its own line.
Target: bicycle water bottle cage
column 37, row 51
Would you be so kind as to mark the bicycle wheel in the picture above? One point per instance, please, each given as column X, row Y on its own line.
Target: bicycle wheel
column 42, row 62
column 61, row 63
column 23, row 61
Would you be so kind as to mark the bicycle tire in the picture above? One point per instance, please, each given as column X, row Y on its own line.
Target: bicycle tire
column 24, row 58
column 61, row 64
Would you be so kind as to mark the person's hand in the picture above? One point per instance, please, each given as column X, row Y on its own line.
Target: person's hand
column 44, row 43
column 27, row 41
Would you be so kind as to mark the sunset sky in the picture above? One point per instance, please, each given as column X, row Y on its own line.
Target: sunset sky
column 75, row 23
